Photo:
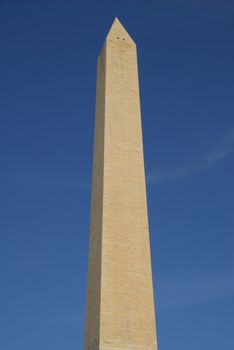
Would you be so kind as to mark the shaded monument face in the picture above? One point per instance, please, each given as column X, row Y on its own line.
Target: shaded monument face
column 120, row 305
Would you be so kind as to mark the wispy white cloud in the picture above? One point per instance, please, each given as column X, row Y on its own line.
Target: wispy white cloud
column 221, row 150
column 188, row 290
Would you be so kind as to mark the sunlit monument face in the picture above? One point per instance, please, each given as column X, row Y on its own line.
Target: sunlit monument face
column 120, row 305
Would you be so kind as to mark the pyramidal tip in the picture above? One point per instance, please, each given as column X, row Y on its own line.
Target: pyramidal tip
column 118, row 32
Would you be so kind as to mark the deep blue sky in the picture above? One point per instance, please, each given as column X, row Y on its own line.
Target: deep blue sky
column 48, row 76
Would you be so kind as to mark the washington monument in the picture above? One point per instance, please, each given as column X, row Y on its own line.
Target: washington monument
column 120, row 311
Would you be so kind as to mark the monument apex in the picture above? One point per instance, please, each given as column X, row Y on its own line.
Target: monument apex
column 118, row 32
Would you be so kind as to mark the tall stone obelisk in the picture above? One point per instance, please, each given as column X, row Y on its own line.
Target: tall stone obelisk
column 120, row 305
